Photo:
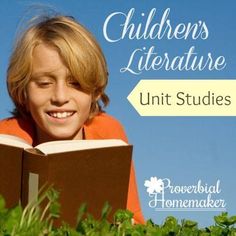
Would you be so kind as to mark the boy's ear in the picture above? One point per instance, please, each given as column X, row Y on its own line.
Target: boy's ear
column 97, row 97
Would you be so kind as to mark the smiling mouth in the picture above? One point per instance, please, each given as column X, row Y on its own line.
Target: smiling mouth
column 61, row 115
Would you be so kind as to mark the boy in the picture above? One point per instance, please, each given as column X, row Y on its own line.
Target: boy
column 56, row 78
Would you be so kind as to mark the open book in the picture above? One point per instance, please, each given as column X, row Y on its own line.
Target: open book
column 91, row 171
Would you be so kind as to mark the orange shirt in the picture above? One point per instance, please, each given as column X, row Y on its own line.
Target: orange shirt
column 102, row 126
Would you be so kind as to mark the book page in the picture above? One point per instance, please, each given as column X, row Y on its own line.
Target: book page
column 73, row 145
column 14, row 141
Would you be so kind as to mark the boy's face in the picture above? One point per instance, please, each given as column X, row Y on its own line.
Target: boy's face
column 55, row 101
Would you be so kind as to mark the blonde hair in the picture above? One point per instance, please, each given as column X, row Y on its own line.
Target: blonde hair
column 78, row 49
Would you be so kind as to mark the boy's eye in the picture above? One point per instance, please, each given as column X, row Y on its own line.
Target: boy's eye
column 43, row 83
column 74, row 84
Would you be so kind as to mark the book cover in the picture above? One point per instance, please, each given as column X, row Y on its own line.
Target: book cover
column 171, row 84
column 102, row 170
column 80, row 170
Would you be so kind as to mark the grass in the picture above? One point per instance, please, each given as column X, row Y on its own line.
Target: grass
column 34, row 220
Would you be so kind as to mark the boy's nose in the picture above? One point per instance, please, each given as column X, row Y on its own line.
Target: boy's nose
column 60, row 94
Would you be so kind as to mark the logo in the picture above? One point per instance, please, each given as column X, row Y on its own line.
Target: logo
column 165, row 196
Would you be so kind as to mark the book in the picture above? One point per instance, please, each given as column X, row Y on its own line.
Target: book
column 83, row 171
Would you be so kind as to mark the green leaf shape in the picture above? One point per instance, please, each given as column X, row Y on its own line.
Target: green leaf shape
column 34, row 220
